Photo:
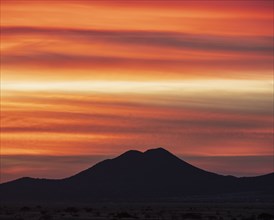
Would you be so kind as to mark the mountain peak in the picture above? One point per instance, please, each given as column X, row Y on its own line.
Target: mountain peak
column 150, row 153
column 154, row 151
column 157, row 150
column 131, row 153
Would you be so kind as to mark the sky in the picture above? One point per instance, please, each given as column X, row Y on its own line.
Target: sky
column 82, row 81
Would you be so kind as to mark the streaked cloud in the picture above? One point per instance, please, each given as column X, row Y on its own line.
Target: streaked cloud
column 249, row 44
column 219, row 124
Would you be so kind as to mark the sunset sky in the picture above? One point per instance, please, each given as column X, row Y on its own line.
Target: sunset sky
column 82, row 81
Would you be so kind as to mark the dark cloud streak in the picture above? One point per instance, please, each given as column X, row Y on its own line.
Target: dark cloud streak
column 65, row 61
column 248, row 44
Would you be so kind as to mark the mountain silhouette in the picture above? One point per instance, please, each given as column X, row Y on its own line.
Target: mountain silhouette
column 154, row 174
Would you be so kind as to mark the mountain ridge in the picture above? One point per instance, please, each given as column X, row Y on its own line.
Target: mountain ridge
column 155, row 173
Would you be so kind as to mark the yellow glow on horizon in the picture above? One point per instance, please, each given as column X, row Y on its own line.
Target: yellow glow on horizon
column 142, row 87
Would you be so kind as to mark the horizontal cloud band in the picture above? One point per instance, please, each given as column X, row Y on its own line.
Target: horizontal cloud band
column 249, row 44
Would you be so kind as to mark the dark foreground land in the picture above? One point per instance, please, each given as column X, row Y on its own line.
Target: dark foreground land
column 145, row 211
column 181, row 190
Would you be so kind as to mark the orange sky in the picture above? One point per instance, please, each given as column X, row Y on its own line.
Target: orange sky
column 96, row 78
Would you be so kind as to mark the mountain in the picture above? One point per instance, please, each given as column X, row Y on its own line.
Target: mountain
column 154, row 174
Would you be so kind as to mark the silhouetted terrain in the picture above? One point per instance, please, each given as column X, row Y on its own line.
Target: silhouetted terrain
column 142, row 211
column 153, row 175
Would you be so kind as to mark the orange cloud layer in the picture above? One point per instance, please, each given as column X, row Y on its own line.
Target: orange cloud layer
column 83, row 124
column 141, row 55
column 243, row 17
